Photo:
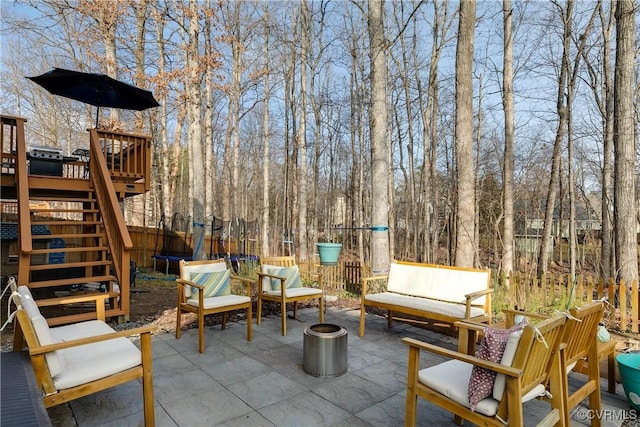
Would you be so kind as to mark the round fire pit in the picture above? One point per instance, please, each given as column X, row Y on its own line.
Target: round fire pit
column 325, row 350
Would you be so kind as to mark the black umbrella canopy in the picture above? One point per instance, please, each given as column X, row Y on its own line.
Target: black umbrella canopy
column 95, row 89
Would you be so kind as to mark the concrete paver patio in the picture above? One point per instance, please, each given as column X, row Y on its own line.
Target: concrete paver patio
column 262, row 382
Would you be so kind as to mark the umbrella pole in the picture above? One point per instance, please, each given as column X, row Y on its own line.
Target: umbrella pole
column 97, row 116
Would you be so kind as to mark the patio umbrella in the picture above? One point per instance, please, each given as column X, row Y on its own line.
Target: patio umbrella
column 95, row 89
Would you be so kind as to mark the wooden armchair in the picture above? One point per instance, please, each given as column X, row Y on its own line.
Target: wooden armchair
column 277, row 273
column 535, row 364
column 580, row 344
column 211, row 282
column 79, row 359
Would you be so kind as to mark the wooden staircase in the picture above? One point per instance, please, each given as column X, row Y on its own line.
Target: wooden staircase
column 79, row 261
column 72, row 238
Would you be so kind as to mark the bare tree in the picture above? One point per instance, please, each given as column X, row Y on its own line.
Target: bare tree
column 624, row 140
column 465, row 205
column 561, row 108
column 379, row 144
column 509, row 142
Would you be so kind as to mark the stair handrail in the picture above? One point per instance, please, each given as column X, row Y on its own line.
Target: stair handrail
column 22, row 186
column 118, row 238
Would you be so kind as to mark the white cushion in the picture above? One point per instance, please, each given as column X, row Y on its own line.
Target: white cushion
column 266, row 281
column 188, row 270
column 451, row 379
column 54, row 362
column 507, row 359
column 437, row 282
column 297, row 292
column 424, row 304
column 91, row 362
column 220, row 301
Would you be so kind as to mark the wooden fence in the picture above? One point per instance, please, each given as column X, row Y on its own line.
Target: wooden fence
column 545, row 295
column 558, row 292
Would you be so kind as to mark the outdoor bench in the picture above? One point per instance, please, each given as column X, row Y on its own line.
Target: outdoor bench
column 432, row 292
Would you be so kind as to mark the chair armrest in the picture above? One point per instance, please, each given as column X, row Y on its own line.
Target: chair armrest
column 468, row 333
column 510, row 316
column 450, row 354
column 314, row 277
column 72, row 299
column 472, row 296
column 89, row 340
column 478, row 294
column 185, row 282
column 262, row 275
column 247, row 281
column 98, row 297
column 366, row 280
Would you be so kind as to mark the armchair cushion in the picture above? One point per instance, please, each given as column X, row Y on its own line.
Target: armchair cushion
column 41, row 328
column 492, row 348
column 92, row 361
column 219, row 301
column 215, row 283
column 291, row 275
column 451, row 378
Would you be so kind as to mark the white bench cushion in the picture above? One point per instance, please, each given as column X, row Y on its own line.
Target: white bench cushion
column 440, row 283
column 91, row 362
column 220, row 301
column 423, row 304
column 451, row 379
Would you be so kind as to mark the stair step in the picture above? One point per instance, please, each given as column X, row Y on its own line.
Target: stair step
column 69, row 250
column 68, row 265
column 63, row 210
column 66, row 236
column 65, row 199
column 52, row 222
column 71, row 281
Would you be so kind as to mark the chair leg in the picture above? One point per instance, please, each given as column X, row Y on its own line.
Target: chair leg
column 249, row 321
column 178, row 321
column 411, row 403
column 283, row 318
column 147, row 380
column 362, row 320
column 201, row 331
column 295, row 309
column 321, row 304
column 224, row 320
column 259, row 314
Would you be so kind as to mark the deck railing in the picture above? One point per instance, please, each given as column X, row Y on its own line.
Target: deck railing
column 14, row 158
column 115, row 227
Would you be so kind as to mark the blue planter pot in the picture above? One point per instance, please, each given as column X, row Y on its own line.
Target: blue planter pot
column 329, row 253
column 629, row 367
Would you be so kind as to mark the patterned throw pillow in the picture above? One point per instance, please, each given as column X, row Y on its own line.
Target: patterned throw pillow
column 291, row 274
column 215, row 284
column 491, row 348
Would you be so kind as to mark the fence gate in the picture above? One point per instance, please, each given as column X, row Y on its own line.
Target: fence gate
column 352, row 271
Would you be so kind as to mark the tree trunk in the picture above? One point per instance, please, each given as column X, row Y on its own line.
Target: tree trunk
column 543, row 258
column 465, row 223
column 302, row 134
column 625, row 205
column 509, row 142
column 379, row 143
column 196, row 160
